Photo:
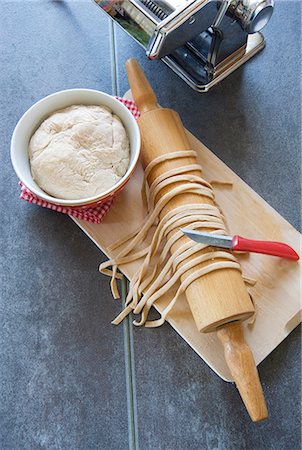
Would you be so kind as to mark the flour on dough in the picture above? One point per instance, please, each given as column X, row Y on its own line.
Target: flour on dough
column 79, row 152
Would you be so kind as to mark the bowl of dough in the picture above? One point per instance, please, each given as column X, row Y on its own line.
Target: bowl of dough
column 76, row 148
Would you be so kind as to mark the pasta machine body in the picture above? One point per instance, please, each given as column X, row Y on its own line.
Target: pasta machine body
column 203, row 41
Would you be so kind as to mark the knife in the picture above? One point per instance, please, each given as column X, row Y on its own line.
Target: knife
column 240, row 244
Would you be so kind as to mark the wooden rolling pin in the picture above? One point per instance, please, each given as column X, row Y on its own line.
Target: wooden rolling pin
column 219, row 300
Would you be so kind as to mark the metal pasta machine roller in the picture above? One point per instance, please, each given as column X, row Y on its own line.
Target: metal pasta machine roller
column 203, row 41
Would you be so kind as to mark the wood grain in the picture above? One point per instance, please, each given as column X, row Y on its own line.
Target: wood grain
column 277, row 291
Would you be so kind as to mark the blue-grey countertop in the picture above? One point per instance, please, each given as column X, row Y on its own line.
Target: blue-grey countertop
column 69, row 379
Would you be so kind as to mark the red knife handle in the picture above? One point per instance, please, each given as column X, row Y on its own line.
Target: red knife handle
column 266, row 247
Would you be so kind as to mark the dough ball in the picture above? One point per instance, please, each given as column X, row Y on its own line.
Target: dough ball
column 79, row 152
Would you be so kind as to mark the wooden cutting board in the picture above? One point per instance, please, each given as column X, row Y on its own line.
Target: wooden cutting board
column 277, row 291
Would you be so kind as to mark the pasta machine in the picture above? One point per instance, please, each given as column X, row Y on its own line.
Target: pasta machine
column 203, row 41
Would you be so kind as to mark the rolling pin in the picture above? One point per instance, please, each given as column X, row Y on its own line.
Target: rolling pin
column 219, row 300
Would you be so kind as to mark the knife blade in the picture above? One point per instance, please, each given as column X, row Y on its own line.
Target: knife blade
column 239, row 243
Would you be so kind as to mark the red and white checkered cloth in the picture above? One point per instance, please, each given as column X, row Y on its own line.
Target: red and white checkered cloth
column 131, row 106
column 94, row 214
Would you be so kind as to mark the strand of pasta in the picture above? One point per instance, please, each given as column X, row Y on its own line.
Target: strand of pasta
column 177, row 274
column 187, row 249
column 168, row 157
column 166, row 249
column 151, row 218
column 188, row 188
column 172, row 173
column 195, row 208
column 178, row 235
column 161, row 270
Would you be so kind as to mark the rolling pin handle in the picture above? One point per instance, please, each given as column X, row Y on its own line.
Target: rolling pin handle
column 142, row 92
column 242, row 366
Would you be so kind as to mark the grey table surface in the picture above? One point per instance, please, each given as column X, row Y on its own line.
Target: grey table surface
column 69, row 379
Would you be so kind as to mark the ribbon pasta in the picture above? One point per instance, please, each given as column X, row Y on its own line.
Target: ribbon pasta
column 162, row 270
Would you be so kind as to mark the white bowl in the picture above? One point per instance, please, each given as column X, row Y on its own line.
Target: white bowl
column 33, row 117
